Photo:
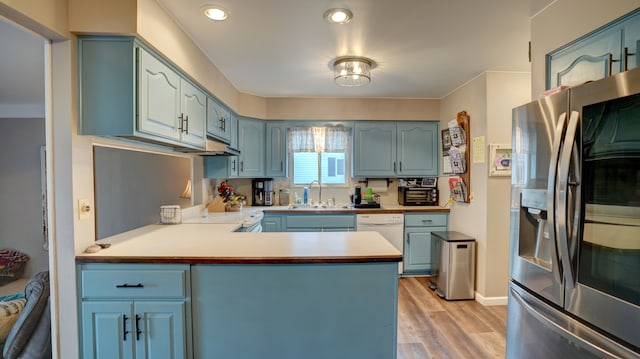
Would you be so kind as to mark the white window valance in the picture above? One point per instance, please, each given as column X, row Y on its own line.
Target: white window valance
column 319, row 139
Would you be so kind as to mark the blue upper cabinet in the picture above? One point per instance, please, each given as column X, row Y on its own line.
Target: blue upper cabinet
column 601, row 53
column 390, row 149
column 234, row 161
column 417, row 149
column 374, row 149
column 126, row 90
column 589, row 59
column 218, row 121
column 225, row 166
column 193, row 115
column 276, row 151
column 159, row 107
column 169, row 106
column 251, row 141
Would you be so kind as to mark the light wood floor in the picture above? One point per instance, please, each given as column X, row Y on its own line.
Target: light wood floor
column 431, row 327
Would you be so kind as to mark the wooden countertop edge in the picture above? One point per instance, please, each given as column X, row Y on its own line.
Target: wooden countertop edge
column 357, row 211
column 237, row 260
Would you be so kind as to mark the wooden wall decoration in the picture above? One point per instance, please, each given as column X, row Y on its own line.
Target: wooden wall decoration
column 459, row 155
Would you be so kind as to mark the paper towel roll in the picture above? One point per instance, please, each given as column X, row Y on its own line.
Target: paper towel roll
column 378, row 185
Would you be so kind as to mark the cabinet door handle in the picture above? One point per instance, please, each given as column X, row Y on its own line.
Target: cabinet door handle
column 281, row 166
column 611, row 61
column 124, row 327
column 233, row 165
column 126, row 285
column 427, row 221
column 221, row 120
column 224, row 124
column 180, row 126
column 394, row 167
column 138, row 331
column 400, row 166
column 186, row 127
column 241, row 166
column 626, row 58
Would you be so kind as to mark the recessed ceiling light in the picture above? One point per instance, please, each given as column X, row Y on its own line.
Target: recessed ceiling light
column 216, row 13
column 338, row 16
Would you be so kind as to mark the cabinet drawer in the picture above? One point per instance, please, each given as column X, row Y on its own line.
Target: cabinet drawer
column 425, row 220
column 133, row 283
column 320, row 221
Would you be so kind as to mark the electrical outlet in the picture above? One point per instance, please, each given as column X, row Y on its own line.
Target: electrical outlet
column 84, row 208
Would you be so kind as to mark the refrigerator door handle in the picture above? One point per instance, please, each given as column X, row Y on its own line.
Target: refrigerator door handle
column 562, row 198
column 551, row 198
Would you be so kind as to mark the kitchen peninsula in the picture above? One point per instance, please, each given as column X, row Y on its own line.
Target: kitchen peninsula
column 203, row 291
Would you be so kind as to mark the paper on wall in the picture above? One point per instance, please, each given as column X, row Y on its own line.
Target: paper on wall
column 457, row 133
column 457, row 159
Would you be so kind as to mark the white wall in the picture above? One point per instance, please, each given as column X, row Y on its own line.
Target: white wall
column 470, row 218
column 504, row 92
column 488, row 100
column 21, row 226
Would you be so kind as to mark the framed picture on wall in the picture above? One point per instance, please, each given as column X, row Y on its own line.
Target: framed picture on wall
column 500, row 160
column 446, row 141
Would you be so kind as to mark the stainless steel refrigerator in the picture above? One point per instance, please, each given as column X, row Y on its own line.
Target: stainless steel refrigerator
column 575, row 223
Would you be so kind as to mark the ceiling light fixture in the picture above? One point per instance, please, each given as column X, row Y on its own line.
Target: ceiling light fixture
column 338, row 16
column 216, row 13
column 352, row 70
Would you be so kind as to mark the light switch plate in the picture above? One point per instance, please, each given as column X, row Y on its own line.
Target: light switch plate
column 84, row 208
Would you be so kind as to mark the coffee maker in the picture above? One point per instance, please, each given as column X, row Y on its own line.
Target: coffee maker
column 262, row 192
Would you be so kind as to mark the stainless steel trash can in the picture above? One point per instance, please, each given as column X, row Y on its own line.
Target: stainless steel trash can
column 453, row 265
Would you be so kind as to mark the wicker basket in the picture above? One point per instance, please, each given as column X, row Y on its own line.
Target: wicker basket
column 12, row 265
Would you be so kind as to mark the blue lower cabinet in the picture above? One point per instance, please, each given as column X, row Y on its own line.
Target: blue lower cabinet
column 160, row 329
column 134, row 330
column 272, row 223
column 106, row 330
column 417, row 240
column 293, row 311
column 131, row 311
column 320, row 223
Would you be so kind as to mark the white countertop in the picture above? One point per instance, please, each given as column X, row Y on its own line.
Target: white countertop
column 217, row 243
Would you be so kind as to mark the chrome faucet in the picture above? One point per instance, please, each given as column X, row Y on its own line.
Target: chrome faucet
column 319, row 190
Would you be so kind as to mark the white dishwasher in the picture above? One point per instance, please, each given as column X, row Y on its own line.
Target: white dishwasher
column 389, row 225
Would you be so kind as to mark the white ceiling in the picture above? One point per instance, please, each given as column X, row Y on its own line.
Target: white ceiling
column 424, row 48
column 282, row 48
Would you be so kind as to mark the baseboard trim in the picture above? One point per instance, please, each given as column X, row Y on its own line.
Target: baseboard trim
column 490, row 301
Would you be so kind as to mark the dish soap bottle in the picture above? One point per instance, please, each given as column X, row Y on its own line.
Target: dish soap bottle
column 305, row 195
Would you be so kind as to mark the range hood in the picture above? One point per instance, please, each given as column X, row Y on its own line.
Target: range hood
column 213, row 148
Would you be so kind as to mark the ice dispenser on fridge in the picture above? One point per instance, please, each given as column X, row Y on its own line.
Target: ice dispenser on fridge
column 535, row 245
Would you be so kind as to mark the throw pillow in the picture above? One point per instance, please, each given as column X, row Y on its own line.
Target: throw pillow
column 9, row 312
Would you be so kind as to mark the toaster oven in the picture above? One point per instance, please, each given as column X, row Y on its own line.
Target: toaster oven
column 418, row 196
